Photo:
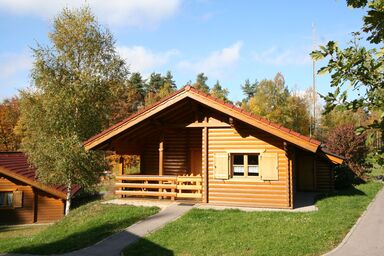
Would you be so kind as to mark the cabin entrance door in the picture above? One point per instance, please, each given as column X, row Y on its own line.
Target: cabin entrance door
column 195, row 157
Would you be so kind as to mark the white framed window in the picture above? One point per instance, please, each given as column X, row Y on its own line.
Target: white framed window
column 245, row 164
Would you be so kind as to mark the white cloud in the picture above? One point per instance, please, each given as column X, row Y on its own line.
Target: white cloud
column 112, row 12
column 144, row 60
column 217, row 63
column 13, row 63
column 279, row 57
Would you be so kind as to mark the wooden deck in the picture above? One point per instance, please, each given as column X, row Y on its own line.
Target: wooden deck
column 167, row 186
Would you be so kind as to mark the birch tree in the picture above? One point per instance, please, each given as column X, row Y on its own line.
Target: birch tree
column 75, row 82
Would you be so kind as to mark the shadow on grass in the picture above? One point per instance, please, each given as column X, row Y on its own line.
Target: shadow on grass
column 145, row 247
column 85, row 198
column 86, row 238
column 347, row 191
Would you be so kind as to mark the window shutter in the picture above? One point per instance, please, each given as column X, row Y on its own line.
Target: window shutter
column 17, row 199
column 221, row 168
column 269, row 166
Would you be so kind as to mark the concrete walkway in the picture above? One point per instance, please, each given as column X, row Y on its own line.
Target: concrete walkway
column 367, row 236
column 114, row 244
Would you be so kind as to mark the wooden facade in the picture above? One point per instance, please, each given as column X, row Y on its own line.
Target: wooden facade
column 23, row 199
column 37, row 206
column 242, row 159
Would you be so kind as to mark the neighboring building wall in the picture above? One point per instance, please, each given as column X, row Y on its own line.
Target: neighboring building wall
column 247, row 191
column 24, row 214
column 49, row 208
column 38, row 206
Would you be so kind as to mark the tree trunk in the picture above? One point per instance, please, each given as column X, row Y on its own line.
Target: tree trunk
column 69, row 196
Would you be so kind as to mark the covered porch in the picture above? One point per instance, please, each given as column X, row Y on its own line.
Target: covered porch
column 170, row 146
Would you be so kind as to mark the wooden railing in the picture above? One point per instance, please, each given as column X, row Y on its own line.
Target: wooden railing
column 159, row 186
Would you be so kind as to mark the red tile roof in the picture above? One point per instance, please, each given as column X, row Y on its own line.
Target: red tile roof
column 16, row 164
column 208, row 96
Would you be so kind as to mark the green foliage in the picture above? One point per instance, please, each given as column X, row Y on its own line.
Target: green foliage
column 83, row 227
column 341, row 116
column 158, row 87
column 271, row 99
column 234, row 232
column 9, row 115
column 358, row 68
column 219, row 92
column 75, row 84
column 249, row 89
column 201, row 83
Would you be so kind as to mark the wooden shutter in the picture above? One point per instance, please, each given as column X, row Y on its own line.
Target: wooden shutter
column 17, row 199
column 221, row 166
column 269, row 166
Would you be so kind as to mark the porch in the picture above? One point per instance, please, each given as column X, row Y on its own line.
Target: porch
column 166, row 186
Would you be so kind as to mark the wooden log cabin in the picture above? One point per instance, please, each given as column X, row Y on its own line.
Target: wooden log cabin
column 23, row 199
column 192, row 145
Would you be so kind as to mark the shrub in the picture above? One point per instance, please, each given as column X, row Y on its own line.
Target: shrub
column 345, row 142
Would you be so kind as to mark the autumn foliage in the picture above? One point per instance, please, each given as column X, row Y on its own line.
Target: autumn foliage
column 344, row 141
column 9, row 115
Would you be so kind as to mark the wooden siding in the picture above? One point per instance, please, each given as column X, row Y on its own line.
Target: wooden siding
column 49, row 208
column 247, row 191
column 23, row 215
column 314, row 172
column 324, row 177
column 38, row 206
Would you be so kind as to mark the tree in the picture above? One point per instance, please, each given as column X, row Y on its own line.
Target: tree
column 159, row 86
column 345, row 142
column 201, row 83
column 9, row 115
column 270, row 100
column 219, row 92
column 169, row 85
column 75, row 82
column 249, row 89
column 296, row 111
column 358, row 68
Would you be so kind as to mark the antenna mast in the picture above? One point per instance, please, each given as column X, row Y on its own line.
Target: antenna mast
column 314, row 94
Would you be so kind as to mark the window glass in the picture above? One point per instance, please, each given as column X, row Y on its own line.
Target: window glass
column 238, row 159
column 253, row 159
column 249, row 169
column 238, row 165
column 253, row 165
column 6, row 199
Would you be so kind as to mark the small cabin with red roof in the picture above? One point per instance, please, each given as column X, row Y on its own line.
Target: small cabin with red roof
column 23, row 198
column 192, row 145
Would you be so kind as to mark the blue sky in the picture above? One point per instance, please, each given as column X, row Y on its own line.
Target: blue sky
column 229, row 41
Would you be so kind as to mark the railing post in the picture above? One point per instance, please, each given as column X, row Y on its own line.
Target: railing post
column 121, row 168
column 161, row 161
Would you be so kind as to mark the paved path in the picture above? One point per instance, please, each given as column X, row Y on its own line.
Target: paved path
column 367, row 236
column 113, row 245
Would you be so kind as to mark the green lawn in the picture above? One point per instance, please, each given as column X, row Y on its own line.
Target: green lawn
column 82, row 227
column 232, row 232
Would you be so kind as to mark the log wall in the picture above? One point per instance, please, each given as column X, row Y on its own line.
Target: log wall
column 248, row 191
column 38, row 206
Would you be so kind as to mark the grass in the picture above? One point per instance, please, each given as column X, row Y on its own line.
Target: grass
column 232, row 232
column 84, row 226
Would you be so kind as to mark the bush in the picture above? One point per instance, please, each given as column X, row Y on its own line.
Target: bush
column 344, row 141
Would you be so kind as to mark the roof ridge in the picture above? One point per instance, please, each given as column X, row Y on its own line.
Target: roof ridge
column 187, row 88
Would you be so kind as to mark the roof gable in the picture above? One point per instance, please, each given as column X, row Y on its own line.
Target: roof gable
column 15, row 165
column 205, row 99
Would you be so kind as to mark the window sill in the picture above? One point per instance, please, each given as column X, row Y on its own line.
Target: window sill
column 249, row 178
